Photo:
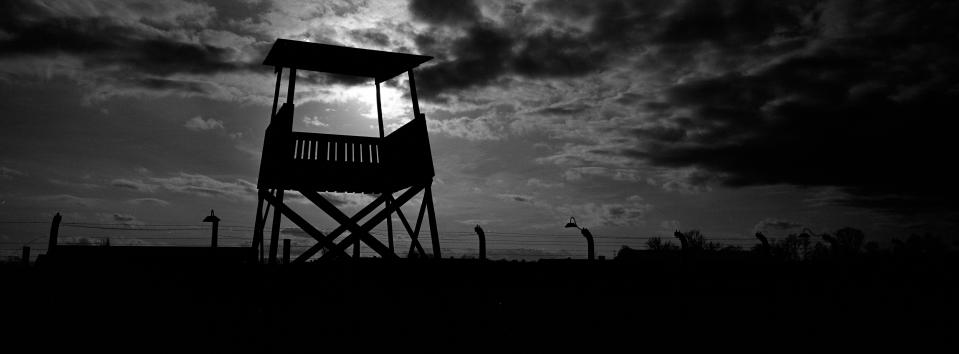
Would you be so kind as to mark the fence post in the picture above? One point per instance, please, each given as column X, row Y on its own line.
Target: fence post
column 54, row 230
column 590, row 250
column 216, row 223
column 286, row 251
column 482, row 242
column 25, row 258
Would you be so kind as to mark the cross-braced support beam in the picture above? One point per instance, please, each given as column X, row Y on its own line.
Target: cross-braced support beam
column 357, row 231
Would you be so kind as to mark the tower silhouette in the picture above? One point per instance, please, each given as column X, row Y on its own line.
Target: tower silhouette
column 311, row 163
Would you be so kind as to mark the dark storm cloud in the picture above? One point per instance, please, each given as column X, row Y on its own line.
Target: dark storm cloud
column 445, row 12
column 103, row 42
column 855, row 95
column 371, row 36
column 870, row 111
column 728, row 23
column 773, row 224
column 135, row 185
column 516, row 198
column 564, row 110
column 481, row 57
column 489, row 51
column 169, row 84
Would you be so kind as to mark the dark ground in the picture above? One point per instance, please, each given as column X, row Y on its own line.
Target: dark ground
column 465, row 305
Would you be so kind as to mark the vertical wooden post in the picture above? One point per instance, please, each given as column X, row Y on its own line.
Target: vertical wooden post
column 389, row 225
column 379, row 110
column 25, row 257
column 258, row 225
column 286, row 251
column 416, row 102
column 54, row 231
column 276, row 93
column 275, row 231
column 289, row 89
column 431, row 214
column 389, row 216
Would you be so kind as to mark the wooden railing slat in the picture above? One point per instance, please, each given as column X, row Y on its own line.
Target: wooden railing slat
column 336, row 148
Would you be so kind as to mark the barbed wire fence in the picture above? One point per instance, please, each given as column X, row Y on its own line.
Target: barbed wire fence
column 500, row 244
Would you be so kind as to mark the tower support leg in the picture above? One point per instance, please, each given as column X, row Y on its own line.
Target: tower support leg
column 389, row 224
column 431, row 214
column 275, row 232
column 258, row 225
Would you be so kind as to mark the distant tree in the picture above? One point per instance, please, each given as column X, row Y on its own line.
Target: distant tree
column 657, row 244
column 789, row 249
column 697, row 241
column 847, row 241
column 796, row 247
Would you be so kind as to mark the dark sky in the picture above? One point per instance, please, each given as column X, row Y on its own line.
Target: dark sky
column 636, row 117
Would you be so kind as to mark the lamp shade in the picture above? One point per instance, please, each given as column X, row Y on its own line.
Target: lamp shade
column 211, row 217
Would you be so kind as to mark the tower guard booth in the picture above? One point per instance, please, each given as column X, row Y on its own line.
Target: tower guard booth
column 312, row 163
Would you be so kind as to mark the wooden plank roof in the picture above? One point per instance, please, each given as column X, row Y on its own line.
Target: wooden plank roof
column 379, row 65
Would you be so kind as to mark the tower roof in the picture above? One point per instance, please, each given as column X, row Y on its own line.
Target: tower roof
column 377, row 64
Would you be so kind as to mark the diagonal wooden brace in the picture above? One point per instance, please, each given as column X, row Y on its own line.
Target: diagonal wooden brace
column 299, row 221
column 351, row 225
column 340, row 229
column 375, row 220
column 414, row 234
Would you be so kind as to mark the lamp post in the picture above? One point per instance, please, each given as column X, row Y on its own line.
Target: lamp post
column 216, row 223
column 586, row 234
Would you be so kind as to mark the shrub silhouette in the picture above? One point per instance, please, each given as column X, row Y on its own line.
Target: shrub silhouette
column 847, row 241
column 657, row 244
column 696, row 241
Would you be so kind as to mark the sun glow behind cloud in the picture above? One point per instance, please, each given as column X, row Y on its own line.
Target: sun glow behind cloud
column 688, row 106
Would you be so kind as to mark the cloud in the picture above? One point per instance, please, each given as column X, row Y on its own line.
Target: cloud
column 631, row 212
column 773, row 224
column 9, row 173
column 125, row 219
column 68, row 200
column 538, row 183
column 138, row 38
column 126, row 48
column 476, row 129
column 136, row 185
column 480, row 45
column 348, row 200
column 807, row 121
column 445, row 12
column 315, row 121
column 205, row 186
column 699, row 93
column 198, row 124
column 295, row 232
column 620, row 174
column 371, row 36
column 145, row 201
column 516, row 198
